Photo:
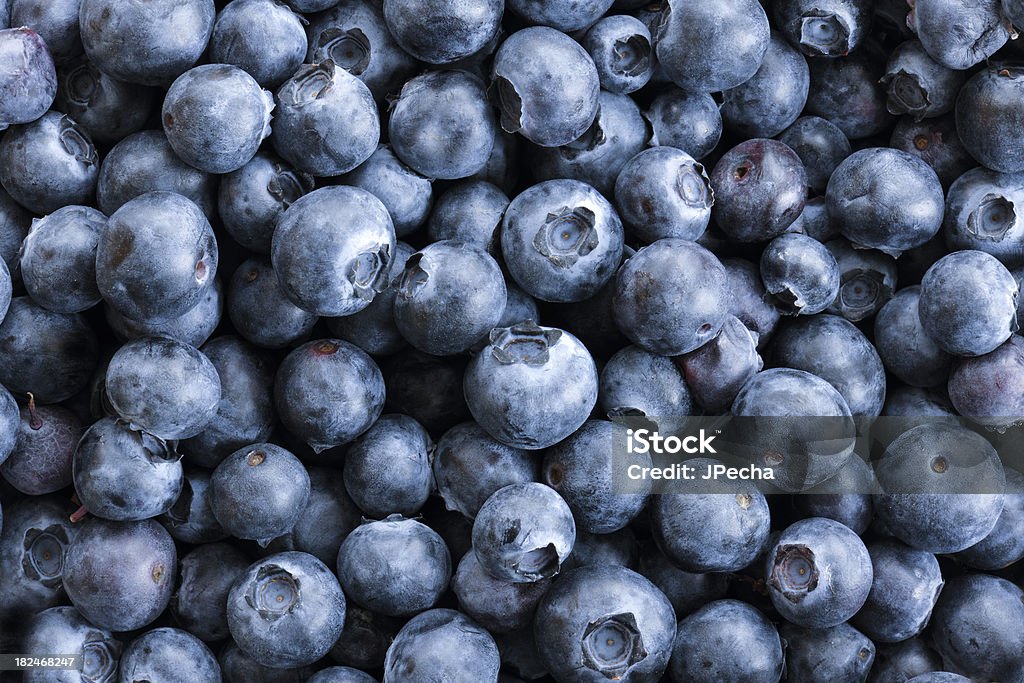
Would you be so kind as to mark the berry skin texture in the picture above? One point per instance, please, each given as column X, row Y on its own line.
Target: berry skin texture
column 441, row 644
column 703, row 648
column 168, row 653
column 29, row 84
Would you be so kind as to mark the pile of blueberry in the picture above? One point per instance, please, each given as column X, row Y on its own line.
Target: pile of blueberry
column 315, row 317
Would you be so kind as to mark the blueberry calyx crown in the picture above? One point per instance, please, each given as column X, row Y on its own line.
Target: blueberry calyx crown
column 994, row 216
column 906, row 94
column 825, row 34
column 567, row 235
column 859, row 289
column 76, row 143
column 539, row 563
column 525, row 342
column 794, row 573
column 43, row 556
column 286, row 186
column 613, row 644
column 348, row 49
column 274, row 592
column 368, row 272
column 693, row 185
column 632, row 55
column 80, row 84
column 510, row 104
column 310, row 83
column 99, row 662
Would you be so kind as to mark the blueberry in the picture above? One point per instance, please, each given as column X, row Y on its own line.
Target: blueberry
column 959, row 35
column 120, row 575
column 749, row 301
column 442, row 31
column 49, row 354
column 407, row 195
column 442, row 125
column 938, row 677
column 259, row 491
column 144, row 162
column 469, row 211
column 900, row 662
column 986, row 118
column 449, row 296
column 125, row 475
column 824, row 29
column 821, row 146
column 263, row 37
column 772, row 98
column 839, row 653
column 168, row 388
column 717, row 371
column 663, row 192
column 373, row 329
column 846, row 91
column 968, row 303
column 635, row 382
column 885, row 199
column 671, row 297
column 564, row 16
column 146, row 43
column 56, row 22
column 58, row 259
column 109, row 110
column 236, row 666
column 63, row 628
column 329, row 516
column 326, row 271
column 47, row 436
column 818, row 573
column 190, row 519
column 705, row 648
column 710, row 527
column 396, row 566
column 561, row 240
column 1004, row 545
column 6, row 289
column 49, row 163
column 621, row 48
column 192, row 327
column 835, row 350
column 215, row 117
column 691, row 122
column 988, row 389
column 387, row 469
column 844, row 497
column 581, row 470
column 815, row 222
column 157, row 257
column 917, row 84
column 981, row 214
column 168, row 653
column 867, row 279
column 469, row 466
column 523, row 533
column 252, row 198
column 354, row 36
column 501, row 168
column 687, row 591
column 531, row 386
column 709, row 47
column 326, row 122
column 598, row 156
column 29, row 84
column 286, row 610
column 800, row 274
column 919, row 470
column 441, row 644
column 33, row 548
column 599, row 623
column 245, row 413
column 903, row 345
column 260, row 311
column 547, row 86
column 974, row 626
column 497, row 605
column 760, row 187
